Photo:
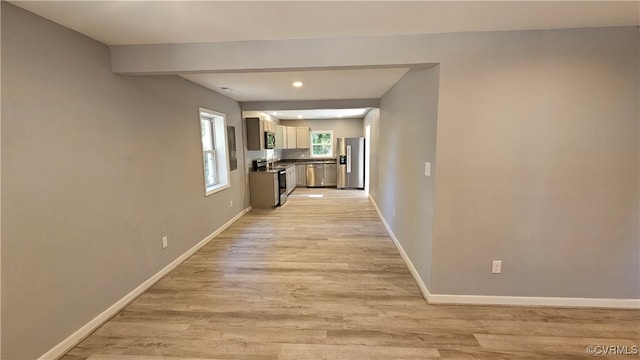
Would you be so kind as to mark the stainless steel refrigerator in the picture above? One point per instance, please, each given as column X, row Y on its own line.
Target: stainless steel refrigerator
column 350, row 163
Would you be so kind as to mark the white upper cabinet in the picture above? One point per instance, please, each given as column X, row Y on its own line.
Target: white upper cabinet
column 281, row 137
column 291, row 137
column 269, row 126
column 302, row 137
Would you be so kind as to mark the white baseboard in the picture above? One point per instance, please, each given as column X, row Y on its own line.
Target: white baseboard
column 501, row 300
column 416, row 276
column 75, row 338
column 534, row 301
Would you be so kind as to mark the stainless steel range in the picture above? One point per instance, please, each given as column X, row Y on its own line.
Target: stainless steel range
column 282, row 186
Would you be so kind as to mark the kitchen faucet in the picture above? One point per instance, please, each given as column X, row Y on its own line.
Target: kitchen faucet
column 274, row 157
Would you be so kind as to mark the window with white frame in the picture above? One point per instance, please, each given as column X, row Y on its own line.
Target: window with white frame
column 322, row 143
column 213, row 130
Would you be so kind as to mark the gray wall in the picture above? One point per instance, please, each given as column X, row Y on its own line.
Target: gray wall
column 340, row 128
column 537, row 158
column 537, row 164
column 96, row 168
column 407, row 139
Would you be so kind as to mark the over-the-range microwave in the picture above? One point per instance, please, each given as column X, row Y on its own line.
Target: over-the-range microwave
column 269, row 140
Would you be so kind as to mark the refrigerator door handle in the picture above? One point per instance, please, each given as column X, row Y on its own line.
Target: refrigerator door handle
column 348, row 159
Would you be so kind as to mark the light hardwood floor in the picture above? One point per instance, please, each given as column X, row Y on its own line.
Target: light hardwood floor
column 319, row 278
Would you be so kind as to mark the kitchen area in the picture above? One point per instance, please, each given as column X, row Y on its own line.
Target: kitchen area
column 286, row 151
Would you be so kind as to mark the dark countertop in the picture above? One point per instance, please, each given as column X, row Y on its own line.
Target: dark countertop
column 277, row 167
column 283, row 164
column 274, row 170
column 305, row 161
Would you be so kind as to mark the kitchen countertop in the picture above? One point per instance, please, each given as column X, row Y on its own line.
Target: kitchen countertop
column 306, row 161
column 272, row 170
column 275, row 168
column 280, row 166
column 284, row 164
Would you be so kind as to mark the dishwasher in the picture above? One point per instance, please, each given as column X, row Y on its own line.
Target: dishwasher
column 315, row 175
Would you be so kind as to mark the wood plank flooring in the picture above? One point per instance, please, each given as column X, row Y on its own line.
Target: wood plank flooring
column 319, row 278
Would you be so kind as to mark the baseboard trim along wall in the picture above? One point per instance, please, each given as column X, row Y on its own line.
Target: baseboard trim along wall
column 75, row 338
column 412, row 269
column 534, row 301
column 500, row 300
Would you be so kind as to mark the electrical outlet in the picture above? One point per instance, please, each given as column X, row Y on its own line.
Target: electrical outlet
column 165, row 242
column 496, row 267
column 230, row 203
column 394, row 213
column 427, row 169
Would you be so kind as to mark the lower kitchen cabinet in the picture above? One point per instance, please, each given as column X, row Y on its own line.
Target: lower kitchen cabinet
column 301, row 174
column 330, row 175
column 291, row 179
column 263, row 188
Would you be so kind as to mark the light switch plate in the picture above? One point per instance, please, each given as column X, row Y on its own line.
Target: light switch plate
column 496, row 267
column 427, row 169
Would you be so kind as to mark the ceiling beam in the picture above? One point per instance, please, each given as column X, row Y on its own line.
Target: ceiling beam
column 310, row 104
column 277, row 55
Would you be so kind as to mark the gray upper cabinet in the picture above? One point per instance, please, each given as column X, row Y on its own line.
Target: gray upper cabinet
column 255, row 134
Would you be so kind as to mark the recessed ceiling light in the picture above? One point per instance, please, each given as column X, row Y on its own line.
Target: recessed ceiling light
column 297, row 83
column 299, row 116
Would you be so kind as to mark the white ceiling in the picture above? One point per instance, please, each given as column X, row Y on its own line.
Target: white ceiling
column 317, row 114
column 318, row 85
column 158, row 22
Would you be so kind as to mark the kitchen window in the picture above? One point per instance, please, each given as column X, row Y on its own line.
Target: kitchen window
column 213, row 131
column 322, row 143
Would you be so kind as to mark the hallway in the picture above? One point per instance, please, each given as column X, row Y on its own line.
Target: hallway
column 319, row 278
